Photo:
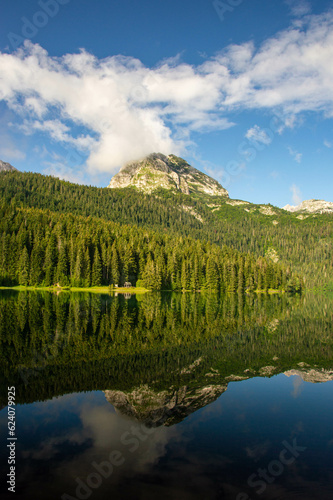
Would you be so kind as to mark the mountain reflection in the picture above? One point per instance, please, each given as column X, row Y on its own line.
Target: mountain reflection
column 158, row 357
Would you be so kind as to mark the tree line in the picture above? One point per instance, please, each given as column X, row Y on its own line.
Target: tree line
column 306, row 245
column 39, row 247
column 54, row 344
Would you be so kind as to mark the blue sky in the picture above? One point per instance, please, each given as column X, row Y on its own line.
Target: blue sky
column 242, row 89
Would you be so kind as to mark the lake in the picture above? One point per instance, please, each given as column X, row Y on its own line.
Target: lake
column 168, row 396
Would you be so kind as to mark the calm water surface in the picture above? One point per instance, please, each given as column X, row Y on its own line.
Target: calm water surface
column 174, row 396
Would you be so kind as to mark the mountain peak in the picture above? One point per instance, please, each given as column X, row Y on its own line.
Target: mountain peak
column 312, row 207
column 7, row 167
column 168, row 172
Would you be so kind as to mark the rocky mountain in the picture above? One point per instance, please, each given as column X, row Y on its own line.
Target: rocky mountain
column 165, row 407
column 169, row 172
column 168, row 407
column 312, row 375
column 312, row 207
column 4, row 166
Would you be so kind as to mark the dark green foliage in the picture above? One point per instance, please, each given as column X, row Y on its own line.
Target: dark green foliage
column 306, row 245
column 23, row 267
column 66, row 249
column 96, row 274
column 50, row 344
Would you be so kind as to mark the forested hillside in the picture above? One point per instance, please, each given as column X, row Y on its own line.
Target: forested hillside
column 305, row 245
column 40, row 247
column 54, row 344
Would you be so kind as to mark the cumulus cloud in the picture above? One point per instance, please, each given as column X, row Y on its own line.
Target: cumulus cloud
column 299, row 8
column 295, row 154
column 10, row 152
column 116, row 109
column 296, row 194
column 256, row 134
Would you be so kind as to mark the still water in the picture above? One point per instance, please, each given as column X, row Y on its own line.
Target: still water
column 168, row 396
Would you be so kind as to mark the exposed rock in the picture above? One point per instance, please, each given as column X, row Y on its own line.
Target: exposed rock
column 272, row 254
column 272, row 326
column 191, row 367
column 235, row 378
column 162, row 408
column 192, row 212
column 168, row 172
column 7, row 167
column 303, row 365
column 267, row 370
column 170, row 406
column 312, row 207
column 237, row 202
column 313, row 376
column 266, row 210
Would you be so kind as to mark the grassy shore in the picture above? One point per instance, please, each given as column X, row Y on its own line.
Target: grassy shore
column 93, row 289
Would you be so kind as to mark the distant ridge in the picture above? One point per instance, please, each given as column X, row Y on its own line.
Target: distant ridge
column 168, row 172
column 312, row 207
column 7, row 167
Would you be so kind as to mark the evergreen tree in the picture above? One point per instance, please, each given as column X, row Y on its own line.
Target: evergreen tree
column 23, row 267
column 87, row 269
column 62, row 267
column 36, row 265
column 50, row 262
column 96, row 274
column 78, row 276
column 115, row 275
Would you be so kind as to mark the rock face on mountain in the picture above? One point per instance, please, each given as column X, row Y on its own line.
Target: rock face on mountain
column 162, row 408
column 6, row 167
column 312, row 207
column 312, row 375
column 169, row 172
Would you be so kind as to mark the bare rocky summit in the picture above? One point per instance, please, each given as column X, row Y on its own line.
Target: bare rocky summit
column 312, row 207
column 312, row 375
column 165, row 407
column 7, row 167
column 168, row 172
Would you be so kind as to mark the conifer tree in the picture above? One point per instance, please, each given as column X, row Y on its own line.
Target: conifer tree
column 50, row 263
column 114, row 267
column 78, row 276
column 23, row 267
column 96, row 274
column 86, row 269
column 36, row 265
column 62, row 267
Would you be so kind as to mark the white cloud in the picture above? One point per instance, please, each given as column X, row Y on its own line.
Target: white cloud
column 63, row 171
column 11, row 154
column 296, row 194
column 258, row 451
column 9, row 150
column 256, row 134
column 127, row 110
column 328, row 144
column 299, row 8
column 295, row 154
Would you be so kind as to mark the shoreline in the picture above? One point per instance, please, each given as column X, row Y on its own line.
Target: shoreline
column 93, row 289
column 132, row 290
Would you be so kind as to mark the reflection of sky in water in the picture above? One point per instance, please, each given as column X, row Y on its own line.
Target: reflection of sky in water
column 209, row 455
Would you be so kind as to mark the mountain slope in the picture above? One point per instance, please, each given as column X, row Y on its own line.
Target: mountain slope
column 169, row 172
column 7, row 167
column 312, row 207
column 305, row 245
